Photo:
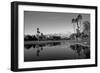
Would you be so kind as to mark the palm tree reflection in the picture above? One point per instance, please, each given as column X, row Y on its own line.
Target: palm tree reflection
column 28, row 46
column 40, row 47
column 79, row 48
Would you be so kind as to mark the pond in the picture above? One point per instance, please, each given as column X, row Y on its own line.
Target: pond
column 55, row 51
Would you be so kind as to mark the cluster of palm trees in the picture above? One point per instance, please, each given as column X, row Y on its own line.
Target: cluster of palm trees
column 77, row 20
column 77, row 27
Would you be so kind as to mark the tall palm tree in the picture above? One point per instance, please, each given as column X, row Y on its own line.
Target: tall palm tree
column 77, row 23
column 79, row 16
column 79, row 19
column 74, row 21
column 38, row 32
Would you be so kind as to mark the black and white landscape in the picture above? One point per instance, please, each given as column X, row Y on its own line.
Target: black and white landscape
column 56, row 36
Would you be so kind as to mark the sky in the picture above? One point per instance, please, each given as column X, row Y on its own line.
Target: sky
column 50, row 22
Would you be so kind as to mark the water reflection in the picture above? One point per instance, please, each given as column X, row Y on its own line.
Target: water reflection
column 40, row 47
column 78, row 48
column 56, row 51
column 28, row 46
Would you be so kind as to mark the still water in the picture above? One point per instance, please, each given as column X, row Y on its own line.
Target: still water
column 55, row 51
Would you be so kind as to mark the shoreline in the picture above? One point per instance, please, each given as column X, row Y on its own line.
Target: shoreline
column 83, row 42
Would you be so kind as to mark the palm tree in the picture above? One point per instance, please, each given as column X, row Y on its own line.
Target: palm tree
column 79, row 18
column 38, row 32
column 76, row 20
column 77, row 23
column 73, row 21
